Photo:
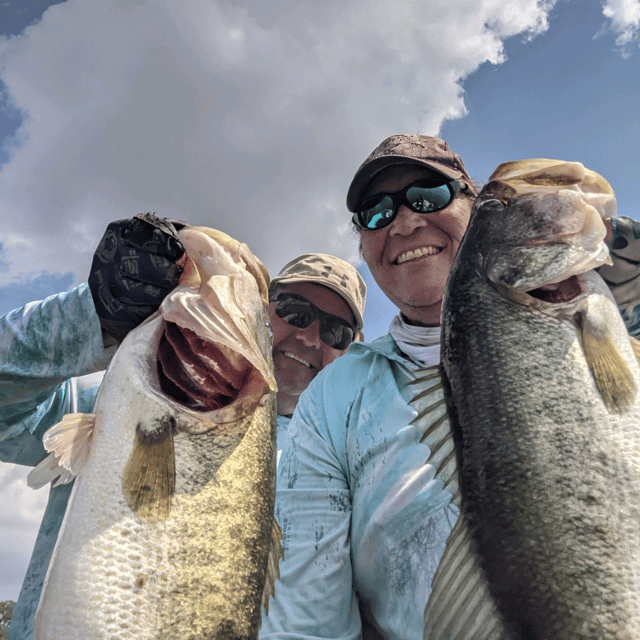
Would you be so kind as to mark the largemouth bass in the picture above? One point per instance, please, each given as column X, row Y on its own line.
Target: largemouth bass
column 169, row 532
column 543, row 393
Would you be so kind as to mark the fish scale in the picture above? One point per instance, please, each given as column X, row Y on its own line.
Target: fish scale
column 542, row 382
column 540, row 452
column 169, row 532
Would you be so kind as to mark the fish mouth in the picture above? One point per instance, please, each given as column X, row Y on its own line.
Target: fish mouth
column 196, row 373
column 558, row 292
column 417, row 253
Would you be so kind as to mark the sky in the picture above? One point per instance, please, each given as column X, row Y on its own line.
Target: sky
column 252, row 117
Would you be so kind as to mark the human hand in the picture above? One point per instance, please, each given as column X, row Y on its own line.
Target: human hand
column 138, row 261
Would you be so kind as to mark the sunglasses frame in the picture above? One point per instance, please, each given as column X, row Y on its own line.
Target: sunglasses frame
column 318, row 314
column 400, row 197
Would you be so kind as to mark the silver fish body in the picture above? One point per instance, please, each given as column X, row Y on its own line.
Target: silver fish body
column 191, row 561
column 542, row 388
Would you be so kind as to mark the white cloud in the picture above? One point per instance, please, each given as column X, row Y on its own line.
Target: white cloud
column 251, row 118
column 624, row 16
column 21, row 510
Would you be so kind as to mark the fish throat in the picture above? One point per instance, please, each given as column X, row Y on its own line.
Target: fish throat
column 559, row 292
column 196, row 373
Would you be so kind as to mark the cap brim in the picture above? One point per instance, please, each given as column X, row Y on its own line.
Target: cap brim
column 368, row 171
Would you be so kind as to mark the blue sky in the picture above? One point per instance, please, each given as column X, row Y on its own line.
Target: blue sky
column 567, row 92
column 253, row 119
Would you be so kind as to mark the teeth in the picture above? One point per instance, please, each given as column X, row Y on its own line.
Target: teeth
column 298, row 358
column 421, row 251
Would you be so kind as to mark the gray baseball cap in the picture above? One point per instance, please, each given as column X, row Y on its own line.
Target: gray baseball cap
column 433, row 153
column 329, row 271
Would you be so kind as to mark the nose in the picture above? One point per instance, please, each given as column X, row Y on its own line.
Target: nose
column 310, row 335
column 407, row 221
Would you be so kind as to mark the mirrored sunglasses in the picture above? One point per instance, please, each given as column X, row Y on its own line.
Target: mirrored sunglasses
column 424, row 196
column 297, row 311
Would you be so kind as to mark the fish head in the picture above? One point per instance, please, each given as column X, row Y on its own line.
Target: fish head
column 214, row 354
column 540, row 222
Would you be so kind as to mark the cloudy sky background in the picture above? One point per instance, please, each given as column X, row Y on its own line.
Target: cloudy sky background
column 252, row 117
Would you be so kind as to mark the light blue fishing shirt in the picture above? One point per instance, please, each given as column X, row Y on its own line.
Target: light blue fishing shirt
column 359, row 505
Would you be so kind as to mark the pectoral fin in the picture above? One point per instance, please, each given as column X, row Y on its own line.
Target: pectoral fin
column 610, row 371
column 635, row 347
column 68, row 442
column 149, row 479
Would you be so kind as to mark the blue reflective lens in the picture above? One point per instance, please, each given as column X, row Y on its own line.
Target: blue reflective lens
column 423, row 196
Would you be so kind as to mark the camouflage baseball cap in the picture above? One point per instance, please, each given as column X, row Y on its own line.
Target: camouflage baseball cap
column 331, row 272
column 433, row 153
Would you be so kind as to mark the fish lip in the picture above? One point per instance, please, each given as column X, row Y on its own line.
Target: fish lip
column 429, row 247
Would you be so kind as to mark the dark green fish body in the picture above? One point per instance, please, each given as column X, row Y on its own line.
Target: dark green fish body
column 542, row 389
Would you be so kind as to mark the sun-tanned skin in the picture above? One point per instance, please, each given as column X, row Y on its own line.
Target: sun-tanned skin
column 299, row 354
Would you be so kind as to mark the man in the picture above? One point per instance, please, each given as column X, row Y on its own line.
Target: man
column 315, row 310
column 362, row 482
column 47, row 349
column 366, row 517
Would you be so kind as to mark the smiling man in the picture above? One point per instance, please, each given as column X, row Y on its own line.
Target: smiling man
column 316, row 304
column 364, row 514
column 47, row 349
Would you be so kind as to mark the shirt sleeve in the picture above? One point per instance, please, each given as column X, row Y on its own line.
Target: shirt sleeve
column 623, row 276
column 314, row 597
column 44, row 346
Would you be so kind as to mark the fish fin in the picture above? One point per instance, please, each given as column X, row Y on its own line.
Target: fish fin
column 610, row 371
column 47, row 471
column 69, row 443
column 149, row 479
column 273, row 565
column 426, row 374
column 635, row 347
column 460, row 605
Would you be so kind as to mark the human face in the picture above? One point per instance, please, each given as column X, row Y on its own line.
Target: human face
column 299, row 354
column 411, row 258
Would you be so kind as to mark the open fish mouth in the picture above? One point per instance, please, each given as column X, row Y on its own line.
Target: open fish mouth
column 558, row 292
column 209, row 356
column 196, row 373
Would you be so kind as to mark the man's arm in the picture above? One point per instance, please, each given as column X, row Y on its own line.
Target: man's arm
column 45, row 345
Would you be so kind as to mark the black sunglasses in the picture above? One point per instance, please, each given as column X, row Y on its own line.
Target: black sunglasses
column 299, row 312
column 424, row 196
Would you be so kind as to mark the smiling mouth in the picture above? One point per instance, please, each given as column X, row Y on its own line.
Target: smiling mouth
column 293, row 356
column 417, row 253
